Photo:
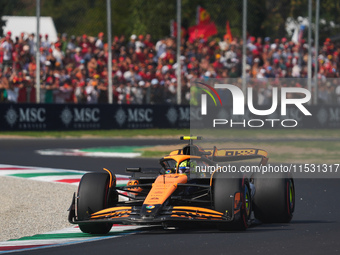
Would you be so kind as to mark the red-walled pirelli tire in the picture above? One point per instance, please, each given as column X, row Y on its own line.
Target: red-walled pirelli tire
column 225, row 188
column 92, row 197
column 274, row 199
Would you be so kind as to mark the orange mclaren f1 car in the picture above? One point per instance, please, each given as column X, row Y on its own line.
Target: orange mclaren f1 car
column 191, row 186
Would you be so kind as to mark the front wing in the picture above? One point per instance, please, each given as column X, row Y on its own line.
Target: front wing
column 166, row 215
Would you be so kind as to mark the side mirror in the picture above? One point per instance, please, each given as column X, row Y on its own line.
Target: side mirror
column 133, row 169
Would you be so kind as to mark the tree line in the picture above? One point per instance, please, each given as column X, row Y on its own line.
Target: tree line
column 265, row 17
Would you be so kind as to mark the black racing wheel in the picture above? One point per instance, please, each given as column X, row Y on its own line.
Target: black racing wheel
column 92, row 197
column 226, row 188
column 274, row 200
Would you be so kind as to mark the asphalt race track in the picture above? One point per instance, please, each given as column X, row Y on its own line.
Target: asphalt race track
column 315, row 228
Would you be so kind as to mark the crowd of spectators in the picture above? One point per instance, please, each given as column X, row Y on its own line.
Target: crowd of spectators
column 74, row 68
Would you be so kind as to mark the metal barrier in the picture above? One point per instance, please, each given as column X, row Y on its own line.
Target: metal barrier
column 24, row 117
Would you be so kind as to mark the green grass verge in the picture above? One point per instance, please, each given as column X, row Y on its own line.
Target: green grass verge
column 154, row 154
column 332, row 147
column 269, row 133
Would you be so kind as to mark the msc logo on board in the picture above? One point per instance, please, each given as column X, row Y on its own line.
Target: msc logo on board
column 84, row 117
column 134, row 118
column 26, row 118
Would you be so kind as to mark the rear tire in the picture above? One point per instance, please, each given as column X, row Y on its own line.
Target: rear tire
column 224, row 189
column 92, row 197
column 274, row 200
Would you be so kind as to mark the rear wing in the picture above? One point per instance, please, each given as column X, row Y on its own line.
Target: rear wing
column 220, row 155
column 227, row 155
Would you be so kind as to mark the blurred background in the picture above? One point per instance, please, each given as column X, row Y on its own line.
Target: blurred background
column 283, row 39
column 265, row 18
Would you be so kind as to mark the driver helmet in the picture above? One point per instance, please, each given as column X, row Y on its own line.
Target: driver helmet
column 184, row 166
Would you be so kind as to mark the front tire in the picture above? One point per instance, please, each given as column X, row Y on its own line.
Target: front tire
column 93, row 196
column 225, row 190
